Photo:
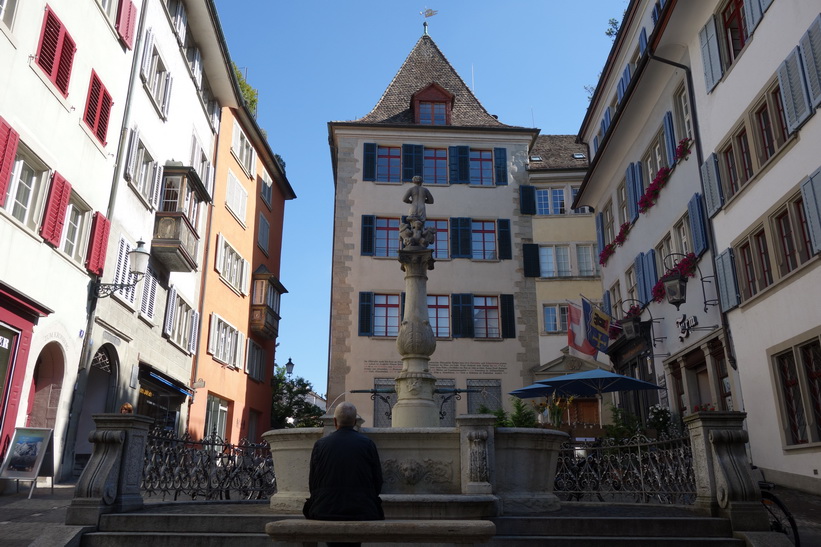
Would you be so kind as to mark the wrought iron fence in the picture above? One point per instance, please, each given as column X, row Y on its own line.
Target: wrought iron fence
column 210, row 469
column 639, row 470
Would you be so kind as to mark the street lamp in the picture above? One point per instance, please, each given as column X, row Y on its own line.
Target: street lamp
column 289, row 368
column 675, row 280
column 138, row 262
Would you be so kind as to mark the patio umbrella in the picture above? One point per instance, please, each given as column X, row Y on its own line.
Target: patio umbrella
column 595, row 382
column 533, row 391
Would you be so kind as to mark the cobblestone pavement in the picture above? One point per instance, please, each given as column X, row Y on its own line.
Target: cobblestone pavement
column 25, row 521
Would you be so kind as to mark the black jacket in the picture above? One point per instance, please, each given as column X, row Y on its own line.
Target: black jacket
column 345, row 478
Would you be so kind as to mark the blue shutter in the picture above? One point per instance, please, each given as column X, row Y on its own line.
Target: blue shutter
column 462, row 315
column 670, row 139
column 656, row 13
column 638, row 180
column 412, row 158
column 765, row 4
column 793, row 91
column 726, row 279
column 811, row 59
column 626, row 75
column 632, row 198
column 752, row 14
column 600, row 232
column 530, row 259
column 811, row 196
column 595, row 144
column 508, row 314
column 620, row 89
column 500, row 166
column 505, row 241
column 641, row 282
column 711, row 181
column 368, row 235
column 365, row 314
column 643, row 41
column 607, row 306
column 369, row 162
column 608, row 115
column 460, row 238
column 650, row 273
column 603, row 127
column 459, row 164
column 710, row 54
column 698, row 228
column 527, row 200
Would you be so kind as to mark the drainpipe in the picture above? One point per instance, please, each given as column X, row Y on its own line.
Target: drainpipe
column 725, row 325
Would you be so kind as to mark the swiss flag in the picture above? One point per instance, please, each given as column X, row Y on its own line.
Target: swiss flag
column 577, row 331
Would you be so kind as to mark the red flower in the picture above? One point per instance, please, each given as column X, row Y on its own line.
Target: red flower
column 645, row 202
column 683, row 149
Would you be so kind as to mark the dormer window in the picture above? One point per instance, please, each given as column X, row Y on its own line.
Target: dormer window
column 432, row 105
column 432, row 113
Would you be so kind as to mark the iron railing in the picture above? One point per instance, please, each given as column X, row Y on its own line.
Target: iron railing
column 638, row 470
column 210, row 469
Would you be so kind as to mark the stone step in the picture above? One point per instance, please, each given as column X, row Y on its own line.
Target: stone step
column 174, row 539
column 598, row 541
column 682, row 527
column 207, row 523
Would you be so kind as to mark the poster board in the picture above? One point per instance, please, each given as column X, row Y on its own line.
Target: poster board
column 30, row 455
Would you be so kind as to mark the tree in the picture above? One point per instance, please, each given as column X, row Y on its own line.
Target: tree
column 249, row 94
column 290, row 406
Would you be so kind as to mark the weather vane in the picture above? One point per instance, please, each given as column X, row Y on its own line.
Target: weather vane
column 427, row 12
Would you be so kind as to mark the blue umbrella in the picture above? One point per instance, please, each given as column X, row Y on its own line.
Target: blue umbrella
column 532, row 391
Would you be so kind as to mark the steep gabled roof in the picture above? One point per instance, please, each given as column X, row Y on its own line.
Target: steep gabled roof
column 557, row 152
column 425, row 65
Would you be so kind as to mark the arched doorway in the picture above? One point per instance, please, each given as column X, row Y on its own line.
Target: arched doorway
column 101, row 383
column 46, row 387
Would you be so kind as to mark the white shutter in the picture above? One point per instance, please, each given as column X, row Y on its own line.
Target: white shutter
column 713, row 194
column 209, row 179
column 180, row 22
column 811, row 58
column 248, row 355
column 235, row 139
column 170, row 312
column 155, row 189
column 710, row 54
column 196, row 66
column 220, row 253
column 148, row 53
column 793, row 92
column 240, row 350
column 811, row 195
column 242, row 202
column 195, row 329
column 166, row 98
column 727, row 285
column 149, row 296
column 213, row 334
column 246, row 275
column 131, row 153
column 253, row 166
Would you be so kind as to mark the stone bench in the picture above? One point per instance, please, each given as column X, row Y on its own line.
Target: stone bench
column 309, row 532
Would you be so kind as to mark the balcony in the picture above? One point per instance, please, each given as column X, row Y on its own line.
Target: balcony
column 264, row 321
column 175, row 241
column 265, row 303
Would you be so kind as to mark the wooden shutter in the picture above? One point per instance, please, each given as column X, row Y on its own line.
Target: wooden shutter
column 195, row 329
column 508, row 314
column 148, row 53
column 530, row 257
column 147, row 302
column 126, row 21
column 55, row 213
column 793, row 91
column 505, row 239
column 710, row 54
column 459, row 164
column 500, row 166
column 366, row 314
column 670, row 138
column 156, row 175
column 632, row 198
column 412, row 161
column 98, row 108
column 527, row 200
column 368, row 241
column 641, row 280
column 460, row 238
column 811, row 58
column 55, row 54
column 752, row 14
column 462, row 315
column 170, row 312
column 811, row 196
column 369, row 162
column 726, row 278
column 600, row 232
column 698, row 226
column 98, row 242
column 131, row 153
column 643, row 41
column 711, row 181
column 9, row 138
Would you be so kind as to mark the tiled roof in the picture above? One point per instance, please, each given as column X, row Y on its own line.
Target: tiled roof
column 556, row 152
column 425, row 65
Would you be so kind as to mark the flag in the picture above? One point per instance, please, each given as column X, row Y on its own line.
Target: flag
column 577, row 331
column 597, row 324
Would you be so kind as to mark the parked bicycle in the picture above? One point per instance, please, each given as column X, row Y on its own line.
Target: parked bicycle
column 781, row 520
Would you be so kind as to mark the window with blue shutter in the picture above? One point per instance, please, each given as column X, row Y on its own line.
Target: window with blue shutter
column 368, row 234
column 508, row 316
column 530, row 258
column 752, row 14
column 412, row 161
column 713, row 194
column 527, row 200
column 505, row 239
column 656, row 13
column 632, row 198
column 626, row 77
column 811, row 196
column 620, row 89
column 670, row 139
column 698, row 225
column 459, row 164
column 462, row 315
column 793, row 91
column 641, row 281
column 369, row 162
column 460, row 238
column 643, row 41
column 710, row 54
column 595, row 144
column 811, row 58
column 500, row 166
column 600, row 232
column 365, row 314
column 726, row 279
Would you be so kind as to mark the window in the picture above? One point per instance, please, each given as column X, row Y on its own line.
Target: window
column 664, row 249
column 216, row 417
column 585, row 256
column 28, row 176
column 791, row 236
column 243, row 151
column 203, row 167
column 752, row 260
column 685, row 121
column 435, row 169
column 55, row 53
column 264, row 235
column 682, row 235
column 621, row 201
column 255, row 364
column 763, row 259
column 555, row 318
column 233, row 269
column 431, row 113
column 654, row 158
column 477, row 239
column 267, row 189
column 439, row 315
column 798, row 371
column 225, row 342
column 98, row 108
column 769, row 124
column 156, row 78
column 123, row 14
column 176, row 199
column 179, row 18
column 75, row 228
column 442, row 239
column 486, row 317
column 7, row 9
column 481, row 167
column 735, row 30
column 607, row 223
column 388, row 164
column 630, row 279
column 574, row 190
column 144, row 174
column 387, row 237
column 181, row 322
column 554, row 260
column 749, row 287
column 149, row 296
column 484, row 394
column 550, row 201
column 266, row 293
column 735, row 162
column 615, row 299
column 483, row 316
column 122, row 273
column 236, row 197
column 194, row 57
column 386, row 315
column 483, row 240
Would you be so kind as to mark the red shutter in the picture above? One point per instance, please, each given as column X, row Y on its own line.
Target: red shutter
column 98, row 243
column 63, row 75
column 98, row 108
column 55, row 54
column 55, row 214
column 126, row 19
column 8, row 151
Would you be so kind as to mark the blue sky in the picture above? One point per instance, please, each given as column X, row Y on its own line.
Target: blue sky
column 316, row 61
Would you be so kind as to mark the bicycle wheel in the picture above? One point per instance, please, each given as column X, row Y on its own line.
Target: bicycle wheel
column 781, row 520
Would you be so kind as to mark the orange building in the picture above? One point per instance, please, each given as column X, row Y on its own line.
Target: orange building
column 233, row 366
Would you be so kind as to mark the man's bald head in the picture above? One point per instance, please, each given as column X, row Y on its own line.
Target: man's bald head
column 345, row 414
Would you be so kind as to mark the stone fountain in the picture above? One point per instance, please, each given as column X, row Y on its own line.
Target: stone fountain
column 473, row 470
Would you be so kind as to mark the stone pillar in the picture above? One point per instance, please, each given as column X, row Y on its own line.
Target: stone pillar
column 712, row 375
column 724, row 487
column 110, row 483
column 416, row 343
column 477, row 450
